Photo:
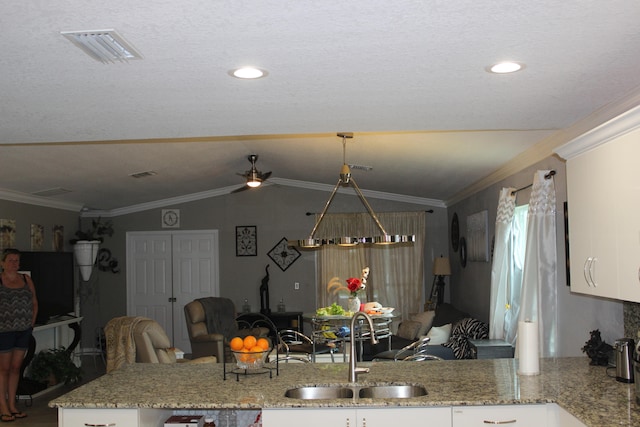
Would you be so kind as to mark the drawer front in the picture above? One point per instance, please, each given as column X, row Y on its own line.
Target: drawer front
column 98, row 417
column 505, row 415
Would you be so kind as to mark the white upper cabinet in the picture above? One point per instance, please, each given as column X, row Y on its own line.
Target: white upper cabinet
column 603, row 192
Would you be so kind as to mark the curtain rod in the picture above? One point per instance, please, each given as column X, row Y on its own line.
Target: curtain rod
column 313, row 213
column 547, row 176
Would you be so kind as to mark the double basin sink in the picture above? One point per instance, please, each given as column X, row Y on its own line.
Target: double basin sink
column 386, row 391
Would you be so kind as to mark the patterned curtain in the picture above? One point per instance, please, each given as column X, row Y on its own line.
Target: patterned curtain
column 397, row 271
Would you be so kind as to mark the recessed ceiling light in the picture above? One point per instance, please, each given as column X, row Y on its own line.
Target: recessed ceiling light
column 506, row 67
column 248, row 73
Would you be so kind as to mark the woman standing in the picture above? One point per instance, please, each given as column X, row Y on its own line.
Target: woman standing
column 18, row 310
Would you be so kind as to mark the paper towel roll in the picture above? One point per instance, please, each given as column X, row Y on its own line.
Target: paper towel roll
column 528, row 349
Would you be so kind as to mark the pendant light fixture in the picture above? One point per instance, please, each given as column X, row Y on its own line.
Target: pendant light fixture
column 347, row 180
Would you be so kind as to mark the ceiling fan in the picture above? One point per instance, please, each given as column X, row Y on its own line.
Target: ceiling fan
column 253, row 176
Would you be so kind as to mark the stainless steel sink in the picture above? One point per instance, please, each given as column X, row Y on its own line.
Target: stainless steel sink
column 356, row 391
column 324, row 392
column 392, row 392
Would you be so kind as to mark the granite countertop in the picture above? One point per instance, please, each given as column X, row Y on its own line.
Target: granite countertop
column 585, row 391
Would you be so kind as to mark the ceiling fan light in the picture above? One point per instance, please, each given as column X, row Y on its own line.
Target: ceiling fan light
column 253, row 184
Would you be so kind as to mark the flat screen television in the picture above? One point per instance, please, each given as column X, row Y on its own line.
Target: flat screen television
column 53, row 277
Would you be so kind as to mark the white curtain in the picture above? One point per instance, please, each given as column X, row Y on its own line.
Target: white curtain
column 397, row 271
column 539, row 297
column 500, row 269
column 506, row 270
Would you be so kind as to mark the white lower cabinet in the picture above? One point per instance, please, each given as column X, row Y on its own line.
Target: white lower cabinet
column 511, row 415
column 558, row 417
column 360, row 417
column 68, row 417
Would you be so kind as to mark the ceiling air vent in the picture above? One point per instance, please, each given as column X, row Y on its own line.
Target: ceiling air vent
column 143, row 174
column 103, row 45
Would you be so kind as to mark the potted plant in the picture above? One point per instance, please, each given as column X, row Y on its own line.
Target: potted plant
column 86, row 245
column 99, row 228
column 54, row 366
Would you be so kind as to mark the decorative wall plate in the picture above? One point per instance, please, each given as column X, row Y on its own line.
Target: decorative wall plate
column 455, row 232
column 170, row 218
column 283, row 255
column 246, row 240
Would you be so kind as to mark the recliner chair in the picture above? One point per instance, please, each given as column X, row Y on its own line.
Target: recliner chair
column 139, row 340
column 211, row 323
column 153, row 345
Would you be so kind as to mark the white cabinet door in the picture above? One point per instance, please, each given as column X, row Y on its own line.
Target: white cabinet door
column 511, row 415
column 325, row 417
column 558, row 417
column 627, row 183
column 112, row 417
column 361, row 417
column 592, row 228
column 386, row 417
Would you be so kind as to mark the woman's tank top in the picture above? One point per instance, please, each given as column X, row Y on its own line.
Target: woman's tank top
column 16, row 308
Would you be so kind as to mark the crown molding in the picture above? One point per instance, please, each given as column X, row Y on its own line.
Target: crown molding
column 608, row 122
column 367, row 193
column 14, row 196
column 614, row 128
column 160, row 203
column 279, row 181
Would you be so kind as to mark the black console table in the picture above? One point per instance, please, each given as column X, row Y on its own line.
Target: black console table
column 281, row 320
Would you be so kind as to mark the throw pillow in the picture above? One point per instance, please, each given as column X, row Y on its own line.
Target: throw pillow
column 426, row 320
column 465, row 330
column 409, row 329
column 439, row 334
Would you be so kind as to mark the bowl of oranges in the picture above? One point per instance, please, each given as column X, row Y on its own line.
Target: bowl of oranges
column 250, row 352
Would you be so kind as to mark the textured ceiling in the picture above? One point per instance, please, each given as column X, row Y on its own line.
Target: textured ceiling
column 407, row 77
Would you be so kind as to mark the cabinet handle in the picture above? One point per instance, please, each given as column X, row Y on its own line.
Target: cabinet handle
column 591, row 271
column 585, row 269
column 100, row 425
column 500, row 422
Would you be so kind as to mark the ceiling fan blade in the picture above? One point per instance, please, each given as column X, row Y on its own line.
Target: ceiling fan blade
column 264, row 176
column 239, row 189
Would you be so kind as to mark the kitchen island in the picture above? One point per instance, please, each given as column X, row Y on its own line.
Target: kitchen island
column 583, row 390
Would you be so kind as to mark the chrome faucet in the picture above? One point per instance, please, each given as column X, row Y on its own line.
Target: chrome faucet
column 353, row 371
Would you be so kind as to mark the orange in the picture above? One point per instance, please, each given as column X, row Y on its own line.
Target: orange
column 256, row 349
column 236, row 344
column 263, row 343
column 249, row 342
column 246, row 358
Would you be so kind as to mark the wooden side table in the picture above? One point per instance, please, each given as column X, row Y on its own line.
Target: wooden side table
column 491, row 349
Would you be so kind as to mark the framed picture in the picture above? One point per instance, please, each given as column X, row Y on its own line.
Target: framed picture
column 478, row 237
column 246, row 240
column 283, row 255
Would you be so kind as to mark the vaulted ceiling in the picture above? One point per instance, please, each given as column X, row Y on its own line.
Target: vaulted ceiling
column 407, row 77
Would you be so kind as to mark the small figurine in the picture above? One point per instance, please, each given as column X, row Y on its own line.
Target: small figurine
column 264, row 293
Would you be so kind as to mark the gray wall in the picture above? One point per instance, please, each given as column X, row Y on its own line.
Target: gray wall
column 278, row 212
column 577, row 314
column 26, row 214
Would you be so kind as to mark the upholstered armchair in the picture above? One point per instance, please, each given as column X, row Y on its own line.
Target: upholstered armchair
column 153, row 345
column 211, row 323
column 138, row 340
